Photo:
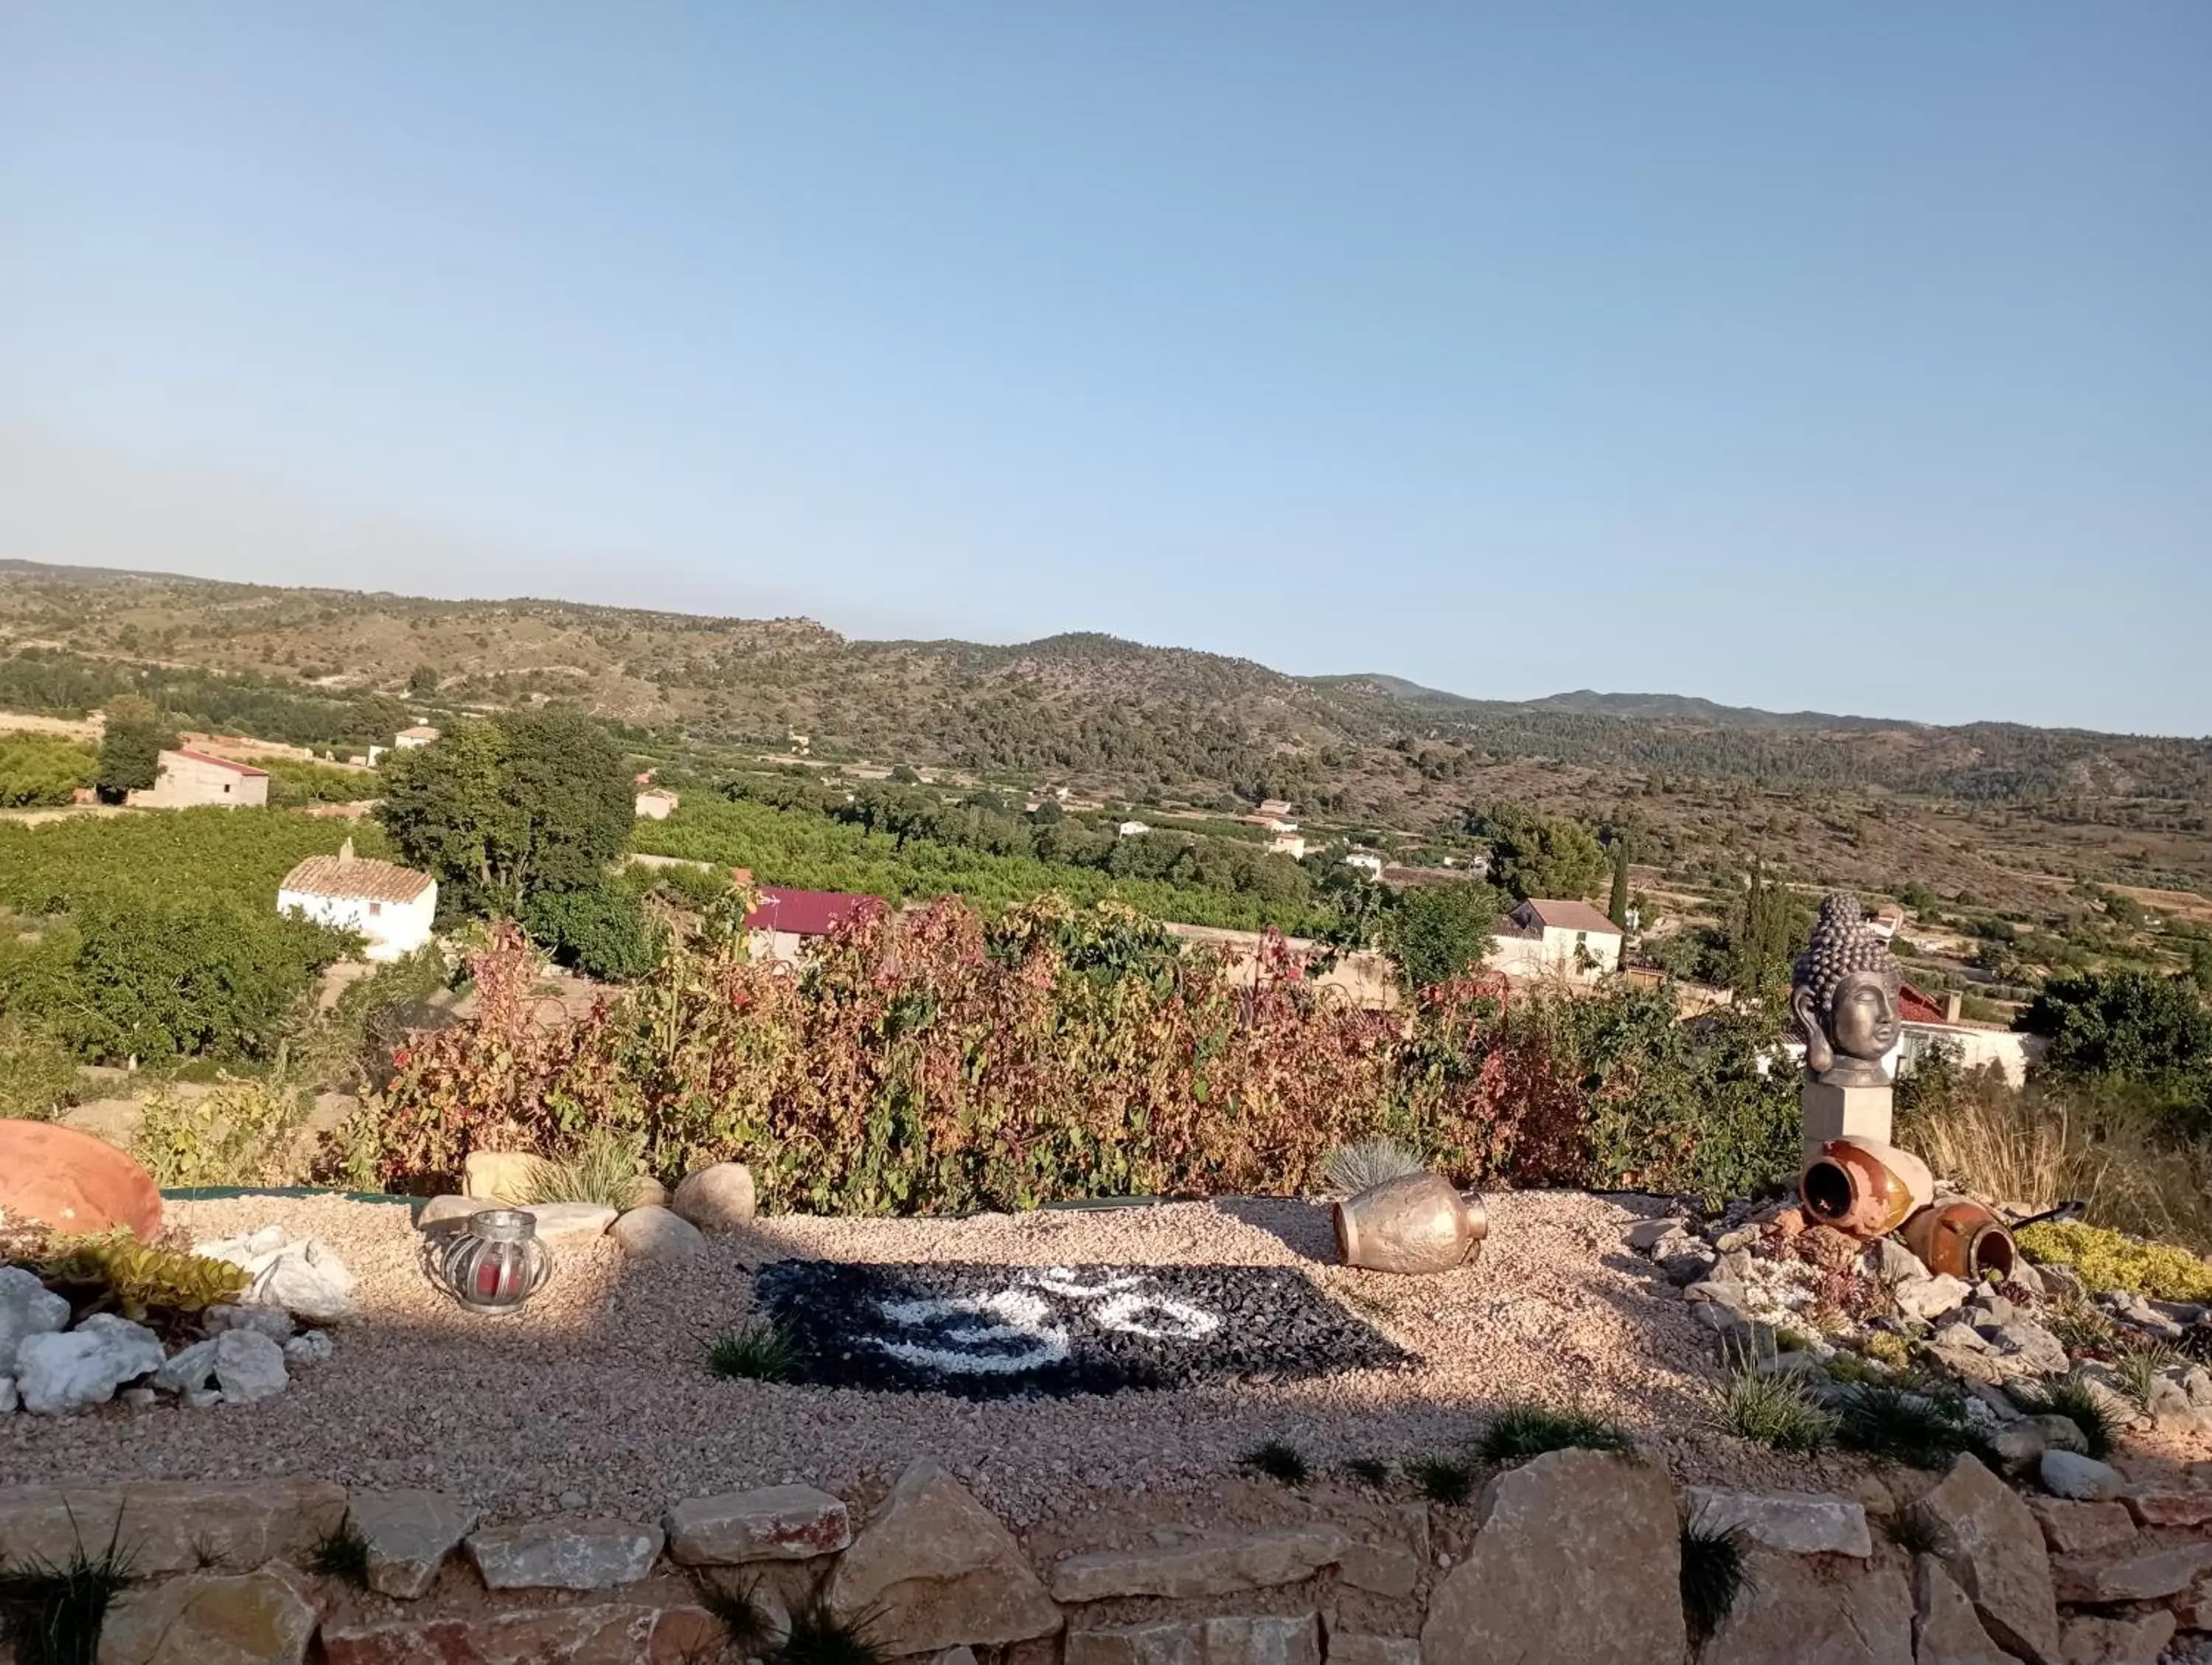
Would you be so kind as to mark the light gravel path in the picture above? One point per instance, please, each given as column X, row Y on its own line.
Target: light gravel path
column 600, row 1388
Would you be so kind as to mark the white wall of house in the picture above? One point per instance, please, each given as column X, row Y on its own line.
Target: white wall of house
column 2011, row 1052
column 655, row 804
column 393, row 929
column 187, row 782
column 1552, row 954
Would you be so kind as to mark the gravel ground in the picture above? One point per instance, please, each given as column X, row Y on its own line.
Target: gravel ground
column 599, row 1392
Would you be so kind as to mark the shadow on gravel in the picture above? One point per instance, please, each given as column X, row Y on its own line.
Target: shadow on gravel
column 1302, row 1227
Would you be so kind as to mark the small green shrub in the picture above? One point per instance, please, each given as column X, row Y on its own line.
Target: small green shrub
column 759, row 1350
column 342, row 1554
column 1714, row 1576
column 1775, row 1409
column 238, row 1134
column 2137, row 1367
column 2078, row 1402
column 1373, row 1470
column 1916, row 1530
column 1351, row 1169
column 1278, row 1461
column 1920, row 1430
column 744, row 1619
column 1442, row 1480
column 38, row 1075
column 1521, row 1430
column 819, row 1638
column 53, row 1615
column 1887, row 1347
column 2104, row 1259
column 113, row 1271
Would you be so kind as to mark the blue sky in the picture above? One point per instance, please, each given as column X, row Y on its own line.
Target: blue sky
column 1856, row 357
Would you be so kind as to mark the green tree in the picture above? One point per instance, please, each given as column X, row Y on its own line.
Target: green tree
column 423, row 680
column 1438, row 932
column 40, row 769
column 1533, row 855
column 500, row 811
column 1765, row 929
column 130, row 748
column 2131, row 1027
column 1617, row 907
column 601, row 931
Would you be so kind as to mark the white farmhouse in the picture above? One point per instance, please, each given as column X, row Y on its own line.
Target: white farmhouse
column 390, row 905
column 186, row 779
column 408, row 738
column 656, row 804
column 1133, row 829
column 1368, row 862
column 1546, row 937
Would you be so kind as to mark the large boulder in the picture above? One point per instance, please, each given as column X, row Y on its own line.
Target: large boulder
column 934, row 1569
column 564, row 1554
column 410, row 1534
column 263, row 1618
column 27, row 1308
column 1201, row 1566
column 1579, row 1558
column 73, row 1182
column 1947, row 1630
column 500, row 1177
column 610, row 1633
column 716, row 1199
column 61, row 1374
column 653, row 1233
column 1992, row 1545
column 1813, row 1610
column 772, row 1523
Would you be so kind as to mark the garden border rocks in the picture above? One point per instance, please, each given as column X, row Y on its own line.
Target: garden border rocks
column 1573, row 1556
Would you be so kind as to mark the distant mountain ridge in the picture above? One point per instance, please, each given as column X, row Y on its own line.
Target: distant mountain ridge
column 1079, row 705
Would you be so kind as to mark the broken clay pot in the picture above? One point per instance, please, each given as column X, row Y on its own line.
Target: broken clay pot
column 1865, row 1187
column 73, row 1182
column 1963, row 1238
column 1418, row 1223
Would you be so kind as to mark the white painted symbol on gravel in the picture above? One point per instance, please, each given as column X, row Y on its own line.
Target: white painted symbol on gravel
column 1022, row 1317
column 956, row 1345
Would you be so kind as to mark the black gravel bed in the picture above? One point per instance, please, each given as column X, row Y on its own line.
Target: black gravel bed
column 995, row 1332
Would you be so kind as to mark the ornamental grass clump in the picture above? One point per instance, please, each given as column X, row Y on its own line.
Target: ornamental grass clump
column 1522, row 1430
column 759, row 1350
column 1775, row 1409
column 818, row 1637
column 1278, row 1461
column 52, row 1615
column 1351, row 1168
column 1714, row 1576
column 342, row 1554
column 1442, row 1480
column 603, row 1171
column 1921, row 1430
column 2078, row 1402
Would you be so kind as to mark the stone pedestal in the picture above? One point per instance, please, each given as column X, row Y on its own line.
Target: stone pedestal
column 1832, row 1112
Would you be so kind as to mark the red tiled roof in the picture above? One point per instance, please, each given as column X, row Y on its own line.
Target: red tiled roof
column 1570, row 916
column 804, row 913
column 220, row 763
column 354, row 877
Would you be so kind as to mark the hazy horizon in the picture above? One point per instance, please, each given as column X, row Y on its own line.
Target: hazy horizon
column 1856, row 362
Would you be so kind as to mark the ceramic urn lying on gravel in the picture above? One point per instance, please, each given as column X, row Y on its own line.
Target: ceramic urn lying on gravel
column 1417, row 1223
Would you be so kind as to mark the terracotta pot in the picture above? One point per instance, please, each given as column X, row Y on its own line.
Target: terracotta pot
column 73, row 1182
column 1963, row 1238
column 1865, row 1187
column 1420, row 1223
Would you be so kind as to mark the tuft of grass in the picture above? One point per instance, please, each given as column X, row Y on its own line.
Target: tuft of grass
column 759, row 1350
column 1373, row 1470
column 820, row 1637
column 744, row 1619
column 2078, row 1402
column 1351, row 1169
column 1524, row 1430
column 1851, row 1369
column 602, row 1171
column 52, row 1615
column 1919, row 1430
column 1775, row 1410
column 1278, row 1461
column 2080, row 1325
column 1916, row 1531
column 1714, row 1576
column 2137, row 1367
column 342, row 1554
column 1442, row 1480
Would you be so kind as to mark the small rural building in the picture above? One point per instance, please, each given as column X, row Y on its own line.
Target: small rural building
column 1276, row 809
column 1368, row 863
column 1885, row 921
column 656, row 804
column 784, row 920
column 1932, row 1021
column 185, row 779
column 389, row 905
column 1291, row 844
column 408, row 738
column 1133, row 829
column 1544, row 937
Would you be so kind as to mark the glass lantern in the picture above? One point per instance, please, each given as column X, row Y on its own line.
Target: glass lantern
column 495, row 1263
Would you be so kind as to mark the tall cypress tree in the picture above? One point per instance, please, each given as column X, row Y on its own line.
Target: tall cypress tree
column 1618, row 910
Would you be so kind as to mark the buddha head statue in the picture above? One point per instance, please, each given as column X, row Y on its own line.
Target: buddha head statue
column 1844, row 998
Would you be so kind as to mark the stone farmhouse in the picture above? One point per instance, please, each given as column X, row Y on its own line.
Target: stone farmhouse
column 1546, row 938
column 390, row 906
column 185, row 779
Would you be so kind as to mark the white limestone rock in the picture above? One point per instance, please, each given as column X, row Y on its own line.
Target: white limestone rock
column 59, row 1374
column 27, row 1308
column 188, row 1368
column 307, row 1349
column 248, row 1366
column 303, row 1275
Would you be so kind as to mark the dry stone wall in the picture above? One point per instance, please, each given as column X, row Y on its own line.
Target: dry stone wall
column 1574, row 1557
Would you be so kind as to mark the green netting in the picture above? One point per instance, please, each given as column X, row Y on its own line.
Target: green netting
column 224, row 1192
